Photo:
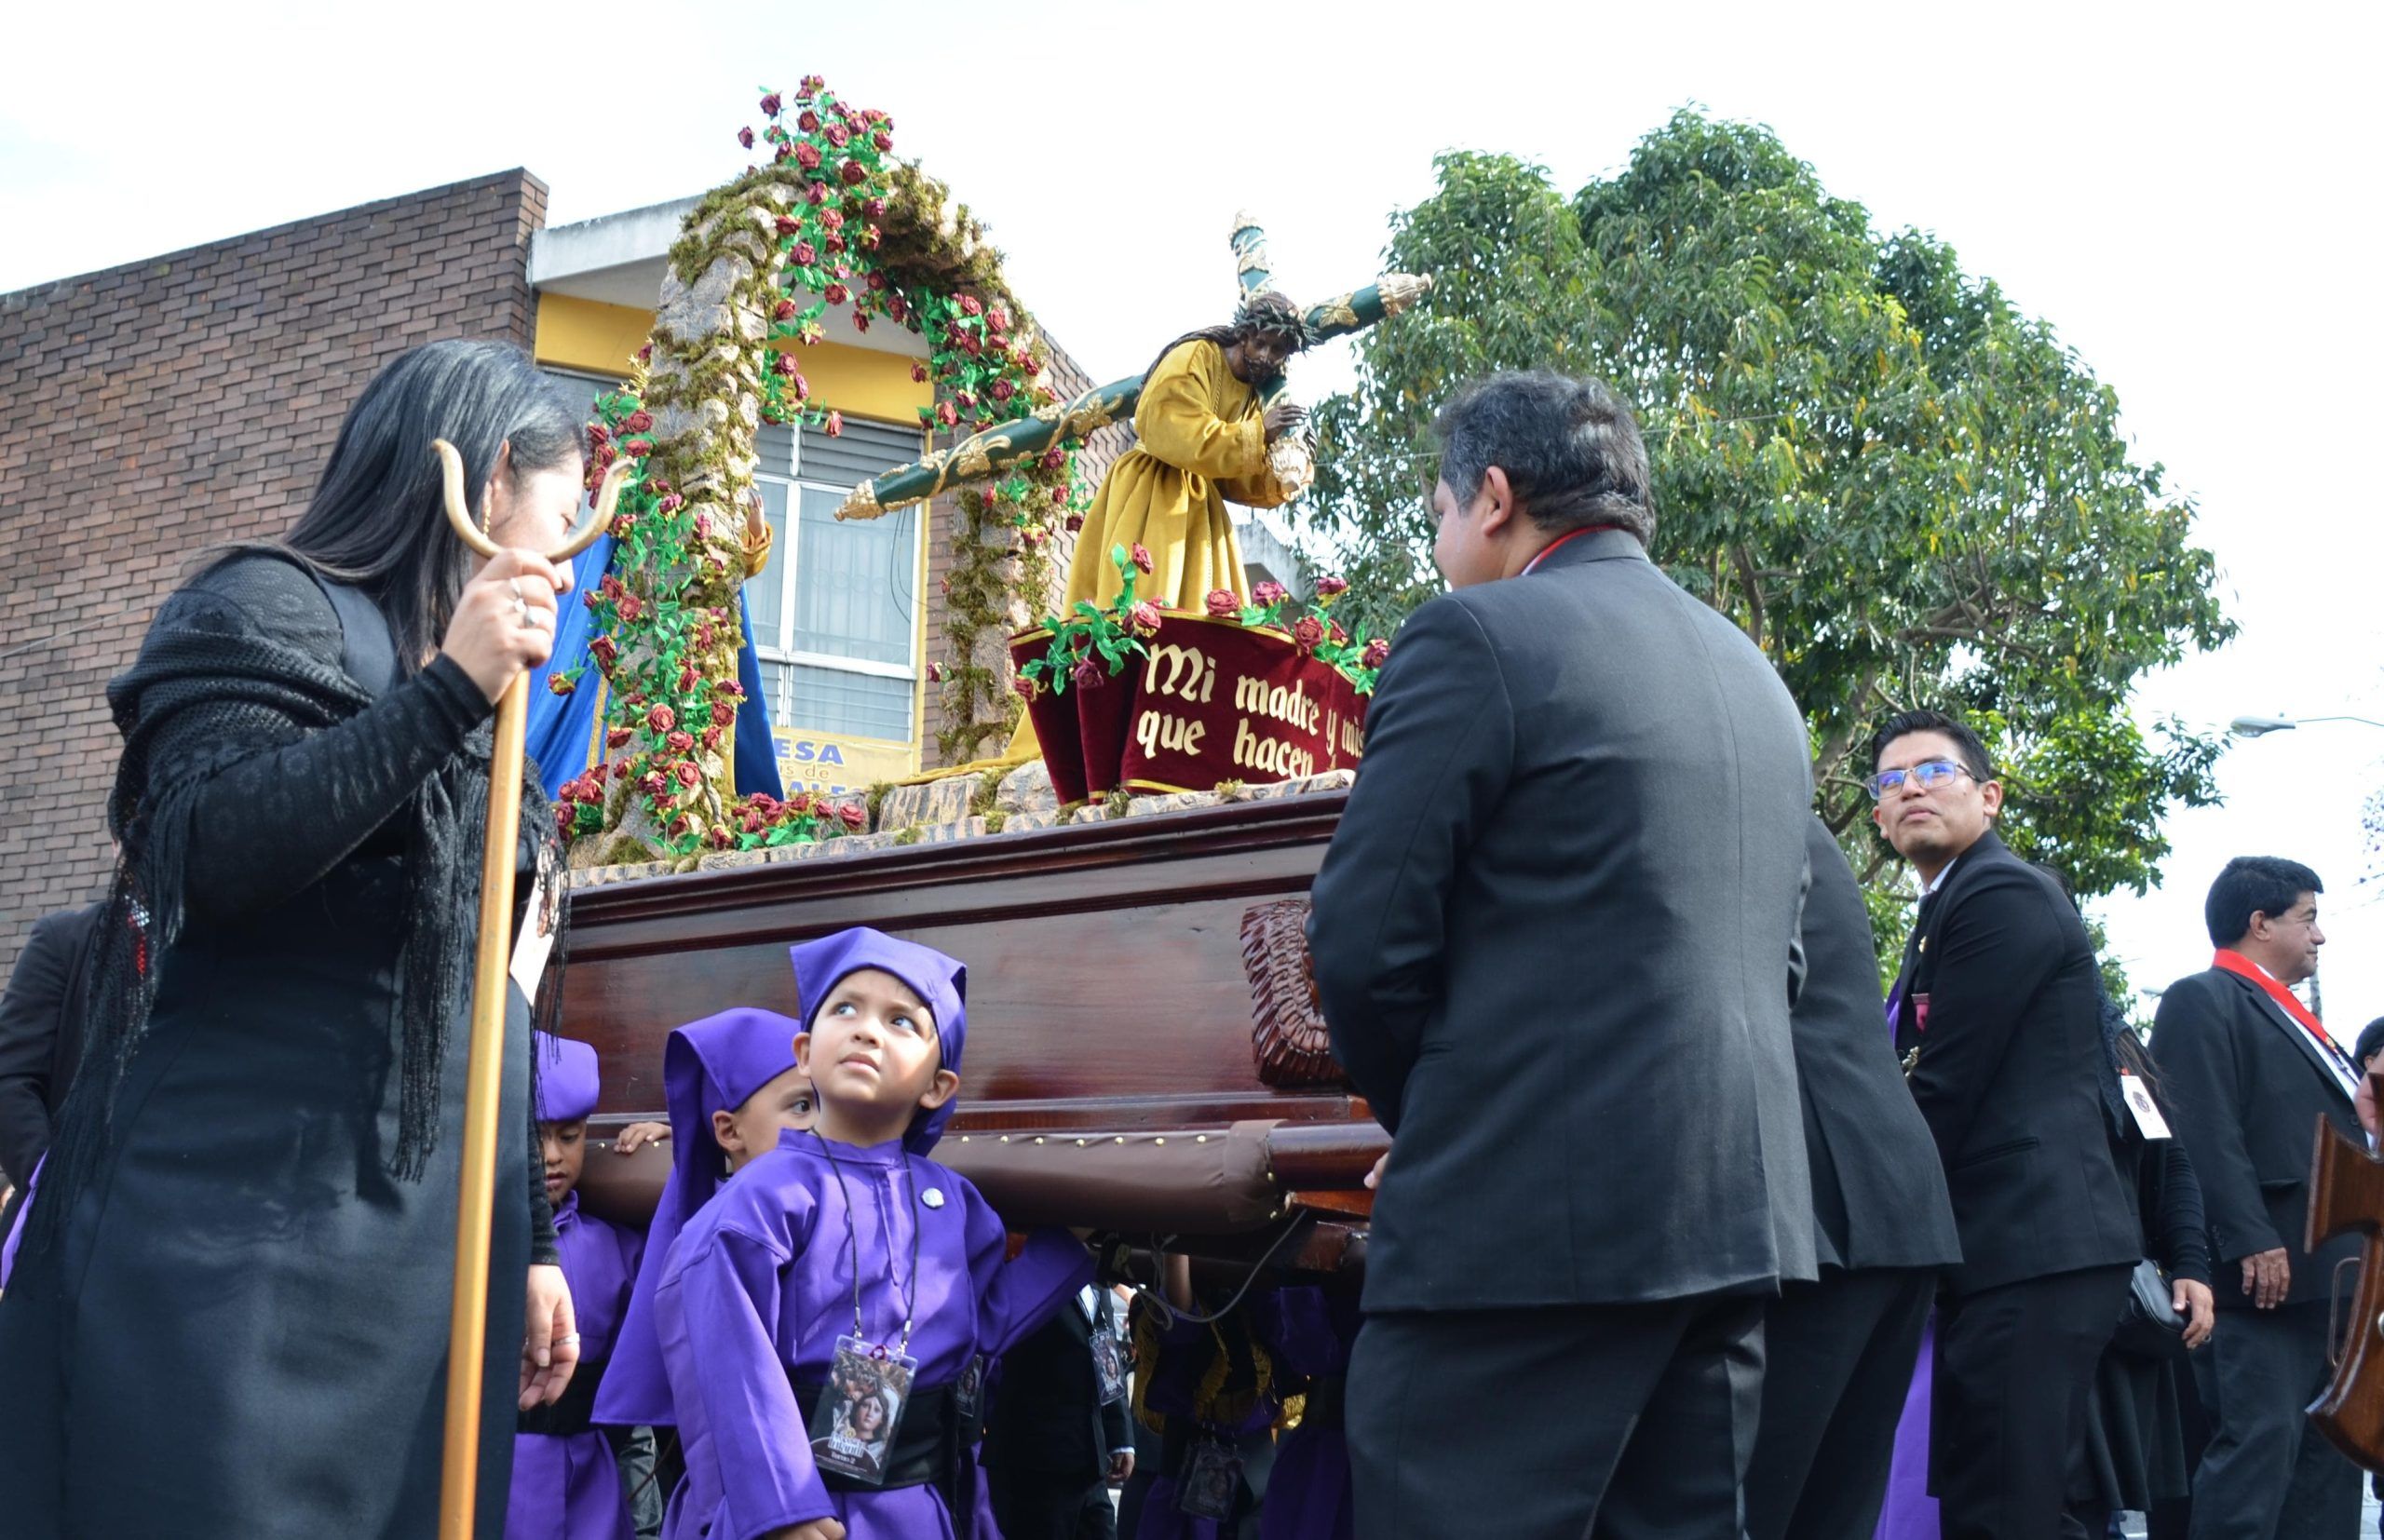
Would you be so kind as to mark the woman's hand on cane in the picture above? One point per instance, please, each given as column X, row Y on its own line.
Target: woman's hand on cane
column 549, row 1338
column 505, row 622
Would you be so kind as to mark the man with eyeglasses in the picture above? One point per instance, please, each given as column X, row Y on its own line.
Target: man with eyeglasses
column 2251, row 1071
column 1997, row 1017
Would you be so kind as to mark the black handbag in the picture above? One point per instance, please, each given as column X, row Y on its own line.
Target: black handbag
column 2150, row 1324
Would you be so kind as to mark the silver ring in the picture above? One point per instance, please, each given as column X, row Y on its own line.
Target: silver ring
column 520, row 611
column 569, row 1339
column 513, row 586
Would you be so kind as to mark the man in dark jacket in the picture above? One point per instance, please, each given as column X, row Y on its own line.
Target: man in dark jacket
column 1552, row 939
column 2252, row 1071
column 38, row 1049
column 1998, row 1018
column 1053, row 1445
column 1840, row 1350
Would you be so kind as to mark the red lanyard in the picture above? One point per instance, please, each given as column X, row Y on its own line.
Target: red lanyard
column 1560, row 542
column 2244, row 968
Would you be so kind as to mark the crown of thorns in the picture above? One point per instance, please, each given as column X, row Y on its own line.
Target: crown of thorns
column 1272, row 310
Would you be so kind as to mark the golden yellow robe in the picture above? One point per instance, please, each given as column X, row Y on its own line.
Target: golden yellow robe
column 1200, row 441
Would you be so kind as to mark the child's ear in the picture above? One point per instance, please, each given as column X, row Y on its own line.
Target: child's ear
column 945, row 1086
column 724, row 1133
column 802, row 1054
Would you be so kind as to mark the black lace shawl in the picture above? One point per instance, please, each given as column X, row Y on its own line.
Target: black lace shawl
column 252, row 766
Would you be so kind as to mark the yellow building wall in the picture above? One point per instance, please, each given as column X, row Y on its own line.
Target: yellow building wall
column 596, row 338
column 591, row 337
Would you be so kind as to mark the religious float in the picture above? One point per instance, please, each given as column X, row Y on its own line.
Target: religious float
column 1145, row 1053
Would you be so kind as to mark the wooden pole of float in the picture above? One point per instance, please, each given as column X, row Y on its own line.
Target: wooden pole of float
column 468, row 1321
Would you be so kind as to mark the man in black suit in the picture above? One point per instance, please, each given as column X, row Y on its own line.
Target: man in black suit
column 1999, row 1016
column 38, row 1050
column 1841, row 1349
column 1553, row 939
column 1053, row 1448
column 2251, row 1071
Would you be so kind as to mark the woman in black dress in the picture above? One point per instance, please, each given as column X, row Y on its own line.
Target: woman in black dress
column 229, row 1316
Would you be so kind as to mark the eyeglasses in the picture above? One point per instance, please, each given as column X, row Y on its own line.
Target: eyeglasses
column 1930, row 773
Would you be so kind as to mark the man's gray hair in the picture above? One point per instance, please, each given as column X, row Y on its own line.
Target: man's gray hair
column 1570, row 447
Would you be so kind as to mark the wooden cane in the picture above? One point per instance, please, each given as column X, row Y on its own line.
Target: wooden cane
column 468, row 1322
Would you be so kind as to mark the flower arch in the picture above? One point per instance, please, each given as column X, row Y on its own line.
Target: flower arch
column 831, row 220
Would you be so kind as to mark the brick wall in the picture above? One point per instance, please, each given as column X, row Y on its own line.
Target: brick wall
column 171, row 403
column 1093, row 461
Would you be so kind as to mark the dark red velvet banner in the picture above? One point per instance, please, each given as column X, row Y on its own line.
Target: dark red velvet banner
column 1213, row 701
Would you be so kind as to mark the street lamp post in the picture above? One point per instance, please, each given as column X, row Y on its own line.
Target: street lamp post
column 2253, row 727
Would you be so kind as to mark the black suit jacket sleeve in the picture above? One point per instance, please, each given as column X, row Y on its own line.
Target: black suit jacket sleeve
column 1440, row 744
column 2196, row 1052
column 1995, row 949
column 30, row 1014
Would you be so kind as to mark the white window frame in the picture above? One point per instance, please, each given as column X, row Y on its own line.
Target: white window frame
column 784, row 555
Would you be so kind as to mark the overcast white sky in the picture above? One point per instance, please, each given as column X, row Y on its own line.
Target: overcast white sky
column 2187, row 193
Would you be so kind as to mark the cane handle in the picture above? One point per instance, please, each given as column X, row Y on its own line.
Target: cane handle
column 469, row 530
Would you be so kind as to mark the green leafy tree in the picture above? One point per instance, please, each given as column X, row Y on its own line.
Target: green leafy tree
column 1905, row 492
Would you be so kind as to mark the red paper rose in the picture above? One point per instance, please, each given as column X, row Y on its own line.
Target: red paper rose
column 854, row 174
column 855, row 815
column 1306, row 631
column 661, row 719
column 687, row 773
column 745, row 137
column 1376, row 653
column 1027, row 689
column 1141, row 558
column 839, row 134
column 652, row 783
column 1075, row 522
column 918, row 373
column 682, row 741
column 1143, row 618
column 640, row 421
column 1268, row 593
column 1330, row 584
column 836, row 294
column 1224, row 604
column 808, row 122
column 771, row 105
column 605, row 649
column 618, row 738
column 835, row 424
column 808, row 156
column 971, row 306
column 788, row 224
column 560, row 684
column 1088, row 675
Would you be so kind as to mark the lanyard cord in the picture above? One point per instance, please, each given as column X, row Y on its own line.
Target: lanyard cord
column 909, row 1294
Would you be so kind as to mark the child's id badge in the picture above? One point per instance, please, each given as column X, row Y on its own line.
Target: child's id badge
column 1212, row 1479
column 2149, row 1120
column 853, row 1428
column 969, row 1391
column 1108, row 1361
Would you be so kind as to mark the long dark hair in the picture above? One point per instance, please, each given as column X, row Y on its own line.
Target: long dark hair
column 378, row 520
column 1270, row 310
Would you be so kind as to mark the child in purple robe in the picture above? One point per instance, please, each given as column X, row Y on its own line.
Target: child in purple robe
column 566, row 1485
column 732, row 1086
column 849, row 1231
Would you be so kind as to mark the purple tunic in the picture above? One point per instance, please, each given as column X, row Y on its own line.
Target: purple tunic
column 1308, row 1492
column 708, row 1066
column 566, row 1486
column 760, row 1286
column 1186, row 1350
